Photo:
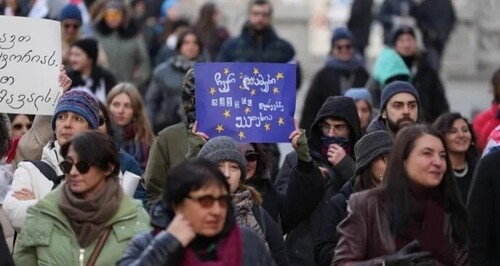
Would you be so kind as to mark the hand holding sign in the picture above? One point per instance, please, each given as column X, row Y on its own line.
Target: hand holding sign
column 299, row 143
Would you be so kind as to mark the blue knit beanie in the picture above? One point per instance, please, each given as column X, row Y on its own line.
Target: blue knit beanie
column 81, row 103
column 341, row 33
column 359, row 94
column 70, row 11
column 396, row 87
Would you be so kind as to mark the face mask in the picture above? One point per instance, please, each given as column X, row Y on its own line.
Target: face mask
column 341, row 141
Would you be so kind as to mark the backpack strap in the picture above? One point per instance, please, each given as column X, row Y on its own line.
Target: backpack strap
column 47, row 171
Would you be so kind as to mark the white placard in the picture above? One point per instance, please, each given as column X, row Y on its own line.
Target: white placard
column 30, row 59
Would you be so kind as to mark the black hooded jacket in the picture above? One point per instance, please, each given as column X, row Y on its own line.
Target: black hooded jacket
column 300, row 240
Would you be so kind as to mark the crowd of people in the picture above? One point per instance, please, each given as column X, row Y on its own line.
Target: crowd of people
column 381, row 172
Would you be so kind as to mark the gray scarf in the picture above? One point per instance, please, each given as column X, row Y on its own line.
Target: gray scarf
column 242, row 199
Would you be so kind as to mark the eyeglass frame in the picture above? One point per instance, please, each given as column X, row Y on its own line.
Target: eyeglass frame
column 82, row 167
column 223, row 199
column 338, row 128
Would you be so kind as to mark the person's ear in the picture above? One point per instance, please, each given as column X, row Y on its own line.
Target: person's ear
column 110, row 170
column 383, row 114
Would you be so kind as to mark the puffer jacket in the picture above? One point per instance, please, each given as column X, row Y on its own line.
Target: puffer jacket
column 27, row 175
column 162, row 248
column 300, row 240
column 163, row 97
column 48, row 239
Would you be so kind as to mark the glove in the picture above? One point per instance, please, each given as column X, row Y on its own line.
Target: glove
column 408, row 255
column 302, row 147
column 195, row 143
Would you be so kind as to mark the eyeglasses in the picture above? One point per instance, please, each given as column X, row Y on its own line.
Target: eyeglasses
column 325, row 127
column 20, row 126
column 261, row 14
column 71, row 25
column 342, row 47
column 208, row 201
column 251, row 156
column 82, row 166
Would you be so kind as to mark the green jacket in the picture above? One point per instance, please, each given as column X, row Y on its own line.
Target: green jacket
column 168, row 150
column 48, row 239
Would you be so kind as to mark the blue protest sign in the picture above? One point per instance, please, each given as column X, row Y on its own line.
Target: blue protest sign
column 250, row 102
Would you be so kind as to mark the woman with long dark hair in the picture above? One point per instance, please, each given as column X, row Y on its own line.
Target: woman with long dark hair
column 460, row 143
column 207, row 27
column 416, row 216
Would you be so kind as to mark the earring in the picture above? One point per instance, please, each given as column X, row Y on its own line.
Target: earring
column 380, row 177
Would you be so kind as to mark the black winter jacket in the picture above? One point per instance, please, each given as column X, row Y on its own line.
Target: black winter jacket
column 326, row 83
column 300, row 240
column 164, row 249
column 483, row 207
column 335, row 210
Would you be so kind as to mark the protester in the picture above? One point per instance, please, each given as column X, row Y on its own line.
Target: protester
column 436, row 20
column 125, row 49
column 85, row 73
column 360, row 22
column 30, row 145
column 343, row 70
column 331, row 150
column 127, row 161
column 258, row 41
column 493, row 142
column 487, row 120
column 87, row 219
column 6, row 231
column 424, row 77
column 208, row 27
column 76, row 112
column 163, row 97
column 20, row 124
column 71, row 22
column 399, row 108
column 483, row 209
column 127, row 111
column 461, row 148
column 363, row 100
column 396, row 13
column 417, row 216
column 225, row 153
column 194, row 224
column 171, row 146
column 372, row 153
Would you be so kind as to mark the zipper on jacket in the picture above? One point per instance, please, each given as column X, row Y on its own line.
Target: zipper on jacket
column 82, row 256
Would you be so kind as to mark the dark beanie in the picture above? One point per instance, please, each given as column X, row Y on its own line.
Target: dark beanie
column 341, row 33
column 400, row 31
column 394, row 88
column 70, row 11
column 89, row 46
column 224, row 148
column 370, row 146
column 81, row 103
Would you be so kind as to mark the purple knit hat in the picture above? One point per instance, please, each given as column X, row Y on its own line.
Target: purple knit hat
column 81, row 103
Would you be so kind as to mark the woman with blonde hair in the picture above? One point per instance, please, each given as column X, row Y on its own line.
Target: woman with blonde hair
column 127, row 111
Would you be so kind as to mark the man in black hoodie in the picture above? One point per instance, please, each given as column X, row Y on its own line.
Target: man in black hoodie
column 331, row 146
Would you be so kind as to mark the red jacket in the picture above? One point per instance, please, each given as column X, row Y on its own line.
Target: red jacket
column 484, row 123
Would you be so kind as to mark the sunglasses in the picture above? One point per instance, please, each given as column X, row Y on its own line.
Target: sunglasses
column 102, row 120
column 71, row 25
column 208, row 201
column 82, row 166
column 251, row 156
column 20, row 126
column 342, row 47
